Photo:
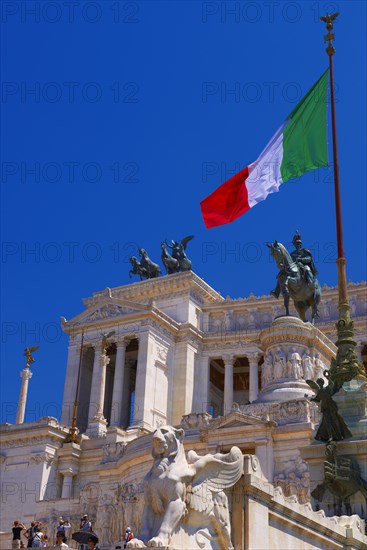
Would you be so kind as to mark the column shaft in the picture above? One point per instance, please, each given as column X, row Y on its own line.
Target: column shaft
column 201, row 386
column 103, row 362
column 95, row 382
column 70, row 384
column 118, row 384
column 25, row 374
column 228, row 384
column 254, row 379
column 145, row 382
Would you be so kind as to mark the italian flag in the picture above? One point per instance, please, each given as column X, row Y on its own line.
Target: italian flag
column 298, row 146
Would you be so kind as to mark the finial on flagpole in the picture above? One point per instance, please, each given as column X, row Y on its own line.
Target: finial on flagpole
column 329, row 20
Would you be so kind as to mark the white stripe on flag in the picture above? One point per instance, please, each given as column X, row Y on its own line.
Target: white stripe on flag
column 264, row 174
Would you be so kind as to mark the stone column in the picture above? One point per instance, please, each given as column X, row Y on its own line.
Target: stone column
column 67, row 483
column 201, row 385
column 95, row 381
column 228, row 382
column 70, row 384
column 103, row 362
column 97, row 424
column 145, row 383
column 254, row 376
column 25, row 375
column 118, row 383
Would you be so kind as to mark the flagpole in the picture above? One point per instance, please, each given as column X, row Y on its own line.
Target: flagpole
column 345, row 367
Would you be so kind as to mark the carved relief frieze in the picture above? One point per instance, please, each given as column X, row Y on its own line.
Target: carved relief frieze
column 293, row 477
column 107, row 311
column 288, row 412
column 195, row 421
column 107, row 523
column 112, row 452
column 161, row 352
column 31, row 441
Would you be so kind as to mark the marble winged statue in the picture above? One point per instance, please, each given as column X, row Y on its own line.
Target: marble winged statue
column 296, row 278
column 185, row 503
column 28, row 355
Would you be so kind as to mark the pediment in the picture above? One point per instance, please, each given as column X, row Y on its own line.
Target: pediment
column 236, row 419
column 107, row 308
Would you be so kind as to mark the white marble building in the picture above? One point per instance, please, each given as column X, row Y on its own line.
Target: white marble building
column 225, row 371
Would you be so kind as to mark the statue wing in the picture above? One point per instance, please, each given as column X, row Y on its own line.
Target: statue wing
column 213, row 473
column 313, row 385
column 185, row 240
column 31, row 349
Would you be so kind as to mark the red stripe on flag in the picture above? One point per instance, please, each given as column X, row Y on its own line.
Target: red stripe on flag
column 228, row 202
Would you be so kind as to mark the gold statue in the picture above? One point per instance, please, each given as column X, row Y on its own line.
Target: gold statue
column 105, row 337
column 28, row 354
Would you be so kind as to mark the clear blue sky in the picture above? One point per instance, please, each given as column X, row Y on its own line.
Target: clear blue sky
column 129, row 113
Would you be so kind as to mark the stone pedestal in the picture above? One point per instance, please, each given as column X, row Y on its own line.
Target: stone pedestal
column 294, row 351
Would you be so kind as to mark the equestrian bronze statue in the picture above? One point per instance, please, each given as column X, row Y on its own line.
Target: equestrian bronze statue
column 175, row 263
column 296, row 278
column 146, row 269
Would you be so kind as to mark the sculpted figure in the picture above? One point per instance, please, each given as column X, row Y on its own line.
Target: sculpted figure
column 307, row 367
column 295, row 366
column 137, row 268
column 267, row 371
column 278, row 367
column 171, row 264
column 28, row 355
column 185, row 503
column 332, row 425
column 319, row 367
column 179, row 254
column 296, row 277
column 304, row 259
column 153, row 270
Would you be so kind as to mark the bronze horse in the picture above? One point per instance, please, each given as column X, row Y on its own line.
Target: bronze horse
column 171, row 264
column 146, row 263
column 293, row 283
column 137, row 269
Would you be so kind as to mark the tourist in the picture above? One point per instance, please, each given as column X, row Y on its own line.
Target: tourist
column 60, row 527
column 93, row 543
column 128, row 536
column 30, row 533
column 60, row 540
column 66, row 528
column 38, row 537
column 45, row 541
column 17, row 532
column 85, row 524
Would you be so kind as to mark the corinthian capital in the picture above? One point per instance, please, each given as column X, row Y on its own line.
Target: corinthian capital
column 26, row 374
column 253, row 356
column 228, row 359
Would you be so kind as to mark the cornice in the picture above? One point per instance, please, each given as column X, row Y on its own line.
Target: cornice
column 160, row 287
column 46, row 430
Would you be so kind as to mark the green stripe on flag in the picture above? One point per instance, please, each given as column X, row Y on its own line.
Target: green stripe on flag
column 305, row 136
